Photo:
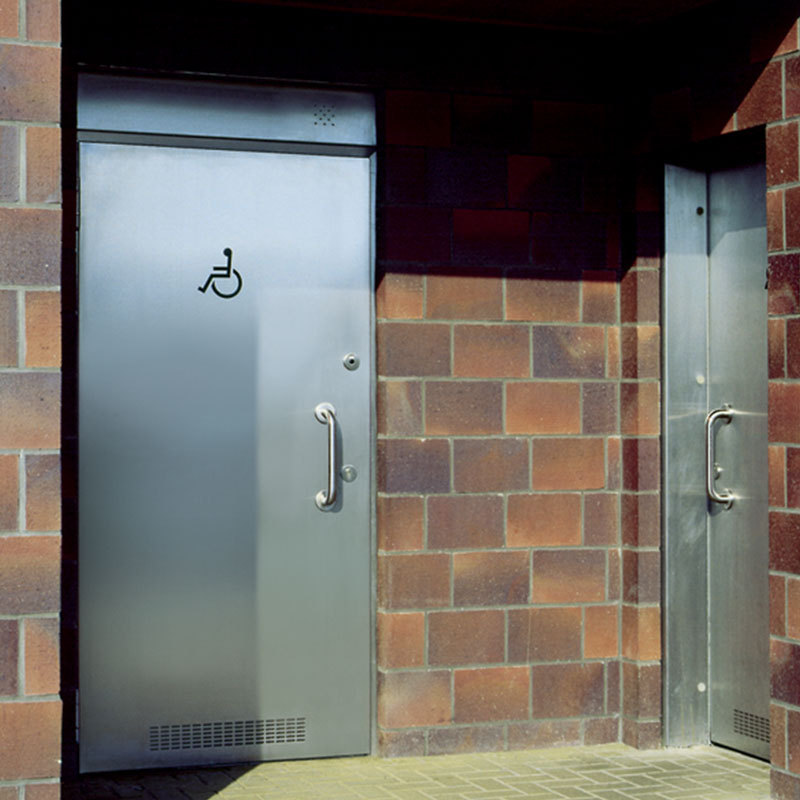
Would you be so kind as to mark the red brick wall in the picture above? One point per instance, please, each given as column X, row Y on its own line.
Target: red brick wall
column 518, row 422
column 30, row 353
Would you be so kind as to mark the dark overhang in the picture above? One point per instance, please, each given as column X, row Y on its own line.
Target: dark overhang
column 585, row 15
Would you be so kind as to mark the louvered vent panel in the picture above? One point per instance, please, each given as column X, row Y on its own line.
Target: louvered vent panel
column 235, row 733
column 746, row 724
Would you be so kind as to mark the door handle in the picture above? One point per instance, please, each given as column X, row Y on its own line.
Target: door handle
column 326, row 414
column 725, row 496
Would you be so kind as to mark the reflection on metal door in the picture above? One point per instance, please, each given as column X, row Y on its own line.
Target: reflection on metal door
column 716, row 549
column 224, row 296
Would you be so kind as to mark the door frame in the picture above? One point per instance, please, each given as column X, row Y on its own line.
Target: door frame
column 685, row 560
column 276, row 141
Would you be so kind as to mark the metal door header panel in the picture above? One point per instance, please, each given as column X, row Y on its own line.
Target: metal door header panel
column 219, row 110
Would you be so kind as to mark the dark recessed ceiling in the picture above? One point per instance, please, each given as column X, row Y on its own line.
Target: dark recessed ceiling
column 586, row 15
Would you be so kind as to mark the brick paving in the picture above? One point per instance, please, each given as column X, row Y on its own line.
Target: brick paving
column 605, row 772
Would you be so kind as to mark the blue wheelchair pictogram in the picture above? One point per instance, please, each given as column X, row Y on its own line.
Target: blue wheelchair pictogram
column 223, row 273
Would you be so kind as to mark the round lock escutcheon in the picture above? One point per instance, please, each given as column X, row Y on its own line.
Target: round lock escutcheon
column 351, row 361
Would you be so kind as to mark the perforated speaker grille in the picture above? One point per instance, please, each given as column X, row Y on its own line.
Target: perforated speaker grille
column 325, row 114
column 746, row 724
column 237, row 733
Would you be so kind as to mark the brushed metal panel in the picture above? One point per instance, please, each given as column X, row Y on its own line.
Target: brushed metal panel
column 738, row 537
column 233, row 111
column 684, row 498
column 212, row 588
column 716, row 559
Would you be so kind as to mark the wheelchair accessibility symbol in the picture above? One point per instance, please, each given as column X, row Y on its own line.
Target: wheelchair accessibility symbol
column 223, row 273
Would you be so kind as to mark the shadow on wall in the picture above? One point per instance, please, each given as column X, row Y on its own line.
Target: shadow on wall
column 482, row 185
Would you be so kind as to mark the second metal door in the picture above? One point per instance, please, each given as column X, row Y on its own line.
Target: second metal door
column 717, row 615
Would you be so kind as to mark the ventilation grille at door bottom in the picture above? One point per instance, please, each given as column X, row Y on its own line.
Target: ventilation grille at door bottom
column 751, row 725
column 238, row 733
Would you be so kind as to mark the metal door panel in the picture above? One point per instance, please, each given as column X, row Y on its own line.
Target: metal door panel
column 181, row 108
column 213, row 591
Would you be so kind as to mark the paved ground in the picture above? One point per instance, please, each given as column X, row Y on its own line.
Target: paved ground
column 607, row 772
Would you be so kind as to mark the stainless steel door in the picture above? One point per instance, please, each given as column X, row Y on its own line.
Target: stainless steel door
column 223, row 615
column 738, row 536
column 716, row 458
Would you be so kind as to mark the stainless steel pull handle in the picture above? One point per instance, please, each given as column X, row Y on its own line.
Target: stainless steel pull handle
column 725, row 496
column 326, row 414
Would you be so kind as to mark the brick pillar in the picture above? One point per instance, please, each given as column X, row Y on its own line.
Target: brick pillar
column 640, row 392
column 783, row 218
column 30, row 353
